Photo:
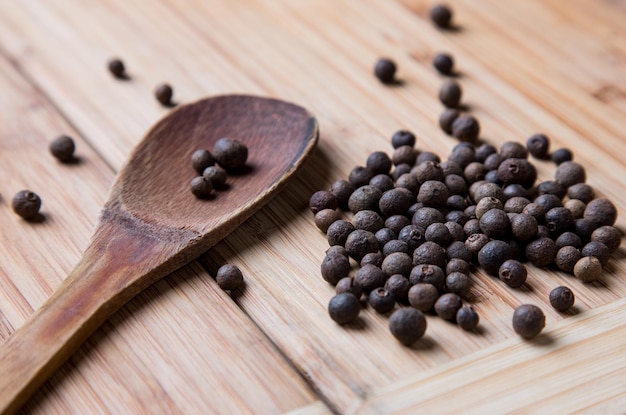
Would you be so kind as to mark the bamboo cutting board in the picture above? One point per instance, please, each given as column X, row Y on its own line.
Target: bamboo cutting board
column 184, row 346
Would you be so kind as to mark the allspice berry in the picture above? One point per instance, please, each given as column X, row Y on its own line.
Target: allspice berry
column 467, row 318
column 407, row 325
column 513, row 273
column 448, row 305
column 229, row 277
column 361, row 242
column 538, row 146
column 441, row 15
column 201, row 159
column 570, row 173
column 561, row 298
column 403, row 138
column 528, row 321
column 588, row 269
column 26, row 204
column 381, row 300
column 602, row 212
column 231, row 154
column 567, row 257
column 344, row 308
column 466, row 128
column 163, row 93
column 62, row 148
column 200, row 187
column 450, row 94
column 334, row 268
column 385, row 70
column 541, row 251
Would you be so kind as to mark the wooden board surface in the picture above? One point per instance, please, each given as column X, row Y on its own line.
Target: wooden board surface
column 185, row 346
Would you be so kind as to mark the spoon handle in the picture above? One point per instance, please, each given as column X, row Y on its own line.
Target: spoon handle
column 119, row 263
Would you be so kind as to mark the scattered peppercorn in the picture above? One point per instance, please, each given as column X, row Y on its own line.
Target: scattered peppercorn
column 385, row 70
column 360, row 176
column 561, row 298
column 466, row 128
column 513, row 150
column 338, row 232
column 492, row 255
column 361, row 242
column 570, row 173
column 458, row 283
column 117, row 68
column 528, row 321
column 427, row 273
column 598, row 250
column 347, row 285
column 344, row 308
column 538, row 145
column 163, row 94
column 608, row 235
column 446, row 119
column 364, row 198
column 541, row 251
column 513, row 273
column 444, row 63
column 403, row 138
column 407, row 325
column 230, row 154
column 561, row 156
column 368, row 220
column 62, row 148
column 398, row 286
column 381, row 300
column 601, row 212
column 447, row 306
column 441, row 15
column 229, row 277
column 467, row 318
column 588, row 269
column 581, row 191
column 567, row 257
column 26, row 204
column 200, row 187
column 342, row 189
column 450, row 94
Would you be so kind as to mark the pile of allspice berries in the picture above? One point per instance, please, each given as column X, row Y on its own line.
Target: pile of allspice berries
column 415, row 224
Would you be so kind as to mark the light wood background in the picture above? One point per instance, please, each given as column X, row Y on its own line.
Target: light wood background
column 184, row 346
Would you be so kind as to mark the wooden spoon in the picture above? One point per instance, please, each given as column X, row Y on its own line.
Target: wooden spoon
column 152, row 224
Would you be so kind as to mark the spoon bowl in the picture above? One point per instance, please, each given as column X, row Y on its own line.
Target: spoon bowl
column 152, row 224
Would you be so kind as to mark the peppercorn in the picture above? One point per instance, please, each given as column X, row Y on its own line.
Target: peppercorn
column 458, row 283
column 486, row 204
column 493, row 161
column 568, row 239
column 337, row 250
column 581, row 191
column 398, row 286
column 379, row 162
column 400, row 170
column 344, row 308
column 517, row 170
column 347, row 285
column 117, row 68
column 474, row 172
column 322, row 199
column 541, row 251
column 404, row 155
column 471, row 227
column 495, row 223
column 438, row 233
column 383, row 182
column 535, row 210
column 514, row 190
column 367, row 220
column 374, row 258
column 216, row 176
column 163, row 93
column 364, row 198
column 360, row 242
column 601, row 212
column 492, row 255
column 62, row 148
column 397, row 263
column 466, row 128
column 551, row 187
column 428, row 171
column 450, row 94
column 403, row 138
column 229, row 277
column 407, row 325
column 456, row 230
column 566, row 258
column 393, row 202
column 538, row 145
column 447, row 305
column 515, row 204
column 385, row 70
column 338, row 232
column 608, row 235
column 475, row 242
column 26, row 204
column 428, row 274
column 381, row 300
column 444, row 63
column 422, row 296
column 201, row 159
column 370, row 277
column 483, row 151
column 457, row 216
column 334, row 268
column 230, row 154
column 598, row 250
column 456, row 184
column 570, row 173
column 395, row 245
column 456, row 202
column 413, row 235
column 441, row 15
column 457, row 265
column 559, row 220
column 467, row 318
column 200, row 187
column 433, row 193
column 485, row 190
column 584, row 228
column 360, row 176
column 561, row 155
column 587, row 269
column 457, row 249
column 513, row 150
column 397, row 222
column 561, row 298
column 430, row 253
column 446, row 119
column 342, row 189
column 528, row 320
column 513, row 273
column 324, row 218
column 384, row 235
column 425, row 156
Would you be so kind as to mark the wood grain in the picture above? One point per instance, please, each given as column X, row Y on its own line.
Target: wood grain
column 518, row 78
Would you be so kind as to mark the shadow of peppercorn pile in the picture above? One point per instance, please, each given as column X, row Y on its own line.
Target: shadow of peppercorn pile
column 407, row 232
